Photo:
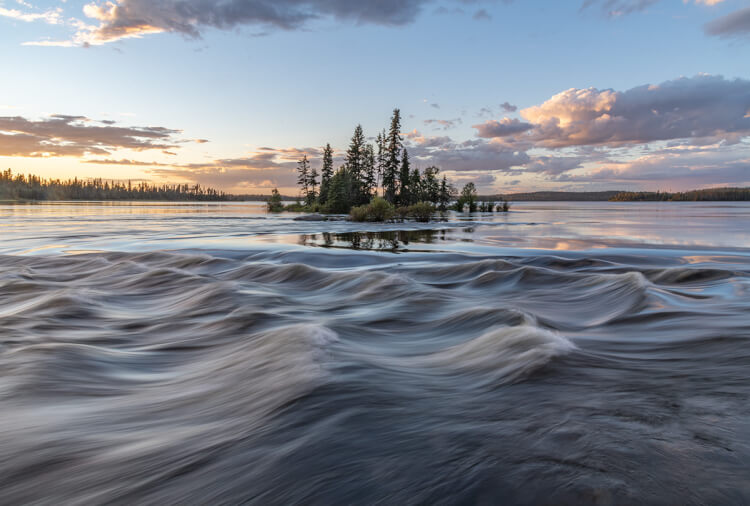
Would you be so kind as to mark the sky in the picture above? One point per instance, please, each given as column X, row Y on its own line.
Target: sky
column 513, row 95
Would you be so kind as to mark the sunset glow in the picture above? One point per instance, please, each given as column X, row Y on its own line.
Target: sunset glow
column 517, row 96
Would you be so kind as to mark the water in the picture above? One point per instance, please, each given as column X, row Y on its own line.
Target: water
column 565, row 353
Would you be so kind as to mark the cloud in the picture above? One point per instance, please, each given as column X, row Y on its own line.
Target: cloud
column 482, row 15
column 51, row 16
column 61, row 135
column 236, row 179
column 112, row 20
column 697, row 107
column 681, row 129
column 485, row 112
column 471, row 155
column 444, row 124
column 479, row 179
column 124, row 161
column 734, row 24
column 266, row 168
column 503, row 128
column 616, row 8
column 675, row 169
column 554, row 165
column 619, row 7
column 119, row 19
column 508, row 107
column 592, row 135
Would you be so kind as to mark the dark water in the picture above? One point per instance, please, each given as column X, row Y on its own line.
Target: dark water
column 562, row 354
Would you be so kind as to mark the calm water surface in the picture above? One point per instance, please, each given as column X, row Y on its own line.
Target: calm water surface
column 563, row 353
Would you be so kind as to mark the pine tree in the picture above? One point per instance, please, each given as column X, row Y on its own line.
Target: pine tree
column 369, row 176
column 312, row 183
column 303, row 177
column 273, row 203
column 326, row 173
column 394, row 145
column 416, row 187
column 431, row 185
column 339, row 192
column 355, row 164
column 445, row 194
column 381, row 158
column 404, row 182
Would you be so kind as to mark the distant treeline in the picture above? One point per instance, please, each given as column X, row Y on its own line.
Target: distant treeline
column 718, row 194
column 21, row 187
column 709, row 194
column 554, row 196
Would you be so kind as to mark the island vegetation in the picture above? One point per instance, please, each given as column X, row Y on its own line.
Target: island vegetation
column 377, row 182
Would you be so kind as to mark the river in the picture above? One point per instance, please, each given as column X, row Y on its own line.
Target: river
column 562, row 353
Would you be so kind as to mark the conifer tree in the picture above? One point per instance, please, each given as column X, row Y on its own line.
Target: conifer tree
column 303, row 175
column 431, row 185
column 273, row 204
column 381, row 158
column 355, row 164
column 369, row 176
column 416, row 187
column 312, row 183
column 326, row 173
column 394, row 144
column 339, row 192
column 404, row 181
column 445, row 194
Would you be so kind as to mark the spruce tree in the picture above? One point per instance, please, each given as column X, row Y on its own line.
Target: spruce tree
column 369, row 173
column 431, row 185
column 274, row 203
column 326, row 173
column 355, row 164
column 445, row 194
column 381, row 158
column 394, row 144
column 416, row 186
column 404, row 182
column 303, row 177
column 339, row 196
column 312, row 183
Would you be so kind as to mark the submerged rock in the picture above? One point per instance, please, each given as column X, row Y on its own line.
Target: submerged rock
column 311, row 217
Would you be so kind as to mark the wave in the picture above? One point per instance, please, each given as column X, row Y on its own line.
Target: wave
column 270, row 377
column 501, row 355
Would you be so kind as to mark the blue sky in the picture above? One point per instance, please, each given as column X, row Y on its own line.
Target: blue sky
column 651, row 94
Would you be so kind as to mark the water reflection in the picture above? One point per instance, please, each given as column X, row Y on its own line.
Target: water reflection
column 390, row 240
column 143, row 226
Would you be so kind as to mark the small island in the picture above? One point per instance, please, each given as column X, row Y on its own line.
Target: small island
column 377, row 183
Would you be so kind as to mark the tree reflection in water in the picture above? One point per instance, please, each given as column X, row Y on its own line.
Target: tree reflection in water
column 385, row 240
